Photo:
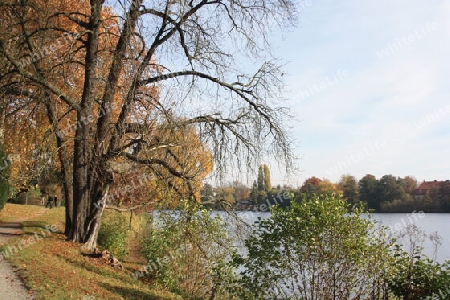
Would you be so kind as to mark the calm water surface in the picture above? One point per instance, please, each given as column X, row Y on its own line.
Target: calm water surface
column 428, row 223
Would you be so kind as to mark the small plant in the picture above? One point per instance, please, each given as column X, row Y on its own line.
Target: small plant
column 113, row 233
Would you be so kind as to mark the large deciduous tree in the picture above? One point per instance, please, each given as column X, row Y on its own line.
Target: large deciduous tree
column 111, row 74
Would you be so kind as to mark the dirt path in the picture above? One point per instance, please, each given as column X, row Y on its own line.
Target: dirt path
column 11, row 286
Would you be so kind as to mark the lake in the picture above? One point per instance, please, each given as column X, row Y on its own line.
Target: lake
column 395, row 222
column 429, row 223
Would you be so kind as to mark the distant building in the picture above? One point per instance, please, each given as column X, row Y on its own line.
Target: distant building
column 436, row 190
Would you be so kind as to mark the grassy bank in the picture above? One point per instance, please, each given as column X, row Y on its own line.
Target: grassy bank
column 56, row 269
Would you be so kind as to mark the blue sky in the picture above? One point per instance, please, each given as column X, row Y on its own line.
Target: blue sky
column 369, row 82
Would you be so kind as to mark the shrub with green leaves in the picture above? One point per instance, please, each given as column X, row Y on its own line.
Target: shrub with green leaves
column 413, row 275
column 315, row 249
column 188, row 251
column 113, row 233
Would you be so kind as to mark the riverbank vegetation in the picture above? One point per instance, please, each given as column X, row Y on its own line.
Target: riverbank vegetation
column 321, row 247
column 312, row 249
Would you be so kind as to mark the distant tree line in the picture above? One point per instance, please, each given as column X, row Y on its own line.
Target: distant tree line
column 387, row 194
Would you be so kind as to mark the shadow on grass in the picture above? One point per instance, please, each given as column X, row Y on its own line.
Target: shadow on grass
column 103, row 270
column 11, row 234
column 130, row 293
column 38, row 224
column 30, row 226
column 13, row 225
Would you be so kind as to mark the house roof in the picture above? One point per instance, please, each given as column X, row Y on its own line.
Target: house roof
column 429, row 185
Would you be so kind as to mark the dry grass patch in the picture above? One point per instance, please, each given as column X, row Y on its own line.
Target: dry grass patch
column 53, row 268
column 56, row 269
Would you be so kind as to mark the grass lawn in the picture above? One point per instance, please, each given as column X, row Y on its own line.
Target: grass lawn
column 56, row 269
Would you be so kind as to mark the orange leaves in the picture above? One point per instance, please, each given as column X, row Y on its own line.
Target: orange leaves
column 89, row 92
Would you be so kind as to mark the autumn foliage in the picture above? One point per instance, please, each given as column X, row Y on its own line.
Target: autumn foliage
column 58, row 53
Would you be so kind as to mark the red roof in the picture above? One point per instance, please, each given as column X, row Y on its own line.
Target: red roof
column 429, row 186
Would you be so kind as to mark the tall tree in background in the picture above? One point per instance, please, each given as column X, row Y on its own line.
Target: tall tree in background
column 207, row 193
column 368, row 191
column 241, row 191
column 261, row 181
column 326, row 187
column 267, row 182
column 445, row 196
column 254, row 194
column 349, row 188
column 127, row 68
column 410, row 184
column 391, row 188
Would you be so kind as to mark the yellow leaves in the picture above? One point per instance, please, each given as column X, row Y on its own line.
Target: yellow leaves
column 191, row 157
column 185, row 163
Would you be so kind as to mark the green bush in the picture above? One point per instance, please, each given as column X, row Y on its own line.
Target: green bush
column 188, row 250
column 113, row 233
column 4, row 177
column 315, row 249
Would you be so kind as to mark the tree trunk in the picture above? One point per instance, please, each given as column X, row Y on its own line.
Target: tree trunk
column 68, row 197
column 81, row 193
column 95, row 222
column 88, row 214
column 65, row 160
